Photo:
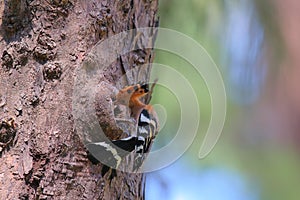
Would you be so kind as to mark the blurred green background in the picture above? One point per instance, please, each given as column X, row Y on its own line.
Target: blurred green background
column 255, row 45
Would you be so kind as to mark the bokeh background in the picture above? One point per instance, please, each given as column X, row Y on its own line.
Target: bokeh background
column 256, row 45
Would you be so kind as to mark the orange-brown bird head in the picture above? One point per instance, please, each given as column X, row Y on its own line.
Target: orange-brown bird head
column 131, row 93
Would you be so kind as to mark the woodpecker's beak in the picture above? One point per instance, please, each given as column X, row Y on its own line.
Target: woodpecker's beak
column 145, row 87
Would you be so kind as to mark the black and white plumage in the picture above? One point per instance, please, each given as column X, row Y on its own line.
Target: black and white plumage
column 113, row 152
column 138, row 144
column 146, row 131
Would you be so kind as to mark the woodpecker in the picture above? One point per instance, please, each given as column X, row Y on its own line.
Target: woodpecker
column 139, row 143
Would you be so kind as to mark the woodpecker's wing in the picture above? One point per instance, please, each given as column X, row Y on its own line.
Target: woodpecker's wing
column 114, row 151
column 104, row 151
column 146, row 131
column 128, row 144
column 147, row 125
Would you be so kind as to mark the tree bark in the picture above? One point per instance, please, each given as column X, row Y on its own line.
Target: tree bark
column 42, row 42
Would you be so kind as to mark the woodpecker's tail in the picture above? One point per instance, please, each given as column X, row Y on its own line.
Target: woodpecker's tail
column 111, row 153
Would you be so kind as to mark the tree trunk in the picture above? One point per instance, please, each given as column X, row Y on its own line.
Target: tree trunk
column 42, row 43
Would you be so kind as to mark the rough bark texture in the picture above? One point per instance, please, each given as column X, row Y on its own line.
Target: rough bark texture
column 41, row 44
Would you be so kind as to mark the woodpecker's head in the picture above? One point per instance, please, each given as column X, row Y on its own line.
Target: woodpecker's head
column 140, row 91
column 131, row 92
